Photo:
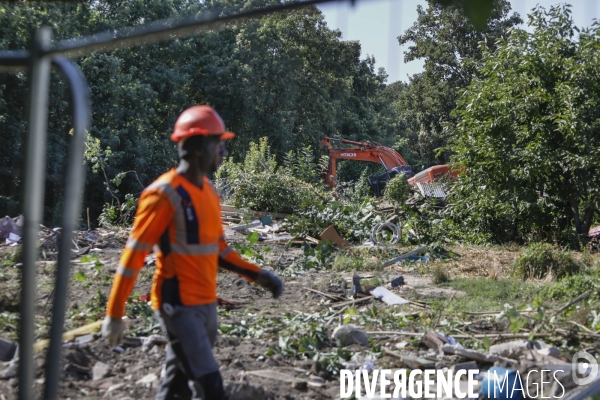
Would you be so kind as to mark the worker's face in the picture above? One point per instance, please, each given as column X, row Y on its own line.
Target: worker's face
column 213, row 155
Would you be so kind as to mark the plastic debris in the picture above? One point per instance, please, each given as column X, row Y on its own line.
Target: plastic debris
column 387, row 297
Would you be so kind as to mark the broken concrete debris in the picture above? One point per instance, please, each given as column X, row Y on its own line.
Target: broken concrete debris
column 100, row 371
column 515, row 349
column 346, row 335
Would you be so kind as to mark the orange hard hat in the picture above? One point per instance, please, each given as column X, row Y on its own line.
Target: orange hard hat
column 199, row 120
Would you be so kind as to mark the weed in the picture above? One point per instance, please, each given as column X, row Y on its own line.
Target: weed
column 138, row 308
column 542, row 261
column 347, row 262
column 440, row 274
column 572, row 286
column 10, row 259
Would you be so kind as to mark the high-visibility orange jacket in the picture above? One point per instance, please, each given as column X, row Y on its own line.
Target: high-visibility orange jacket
column 182, row 223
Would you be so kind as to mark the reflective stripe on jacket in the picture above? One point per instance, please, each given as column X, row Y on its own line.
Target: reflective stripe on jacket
column 182, row 224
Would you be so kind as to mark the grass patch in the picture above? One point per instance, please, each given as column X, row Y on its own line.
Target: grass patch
column 543, row 261
column 482, row 294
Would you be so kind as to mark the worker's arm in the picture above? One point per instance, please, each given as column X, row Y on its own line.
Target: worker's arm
column 152, row 218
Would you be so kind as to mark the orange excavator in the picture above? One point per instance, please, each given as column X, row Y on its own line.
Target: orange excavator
column 391, row 160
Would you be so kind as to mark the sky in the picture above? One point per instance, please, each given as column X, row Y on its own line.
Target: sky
column 378, row 23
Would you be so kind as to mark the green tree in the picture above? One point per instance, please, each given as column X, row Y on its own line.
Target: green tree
column 287, row 77
column 449, row 44
column 528, row 134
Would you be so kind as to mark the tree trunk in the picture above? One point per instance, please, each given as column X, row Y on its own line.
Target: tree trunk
column 581, row 226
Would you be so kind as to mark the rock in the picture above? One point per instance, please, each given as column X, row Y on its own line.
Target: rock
column 346, row 335
column 9, row 372
column 317, row 379
column 278, row 357
column 112, row 388
column 516, row 348
column 315, row 368
column 237, row 364
column 300, row 385
column 304, row 364
column 271, row 362
column 244, row 391
column 150, row 380
column 100, row 371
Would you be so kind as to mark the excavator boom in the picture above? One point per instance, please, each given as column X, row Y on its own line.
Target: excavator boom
column 391, row 160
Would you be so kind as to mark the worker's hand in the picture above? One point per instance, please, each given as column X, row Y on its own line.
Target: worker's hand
column 113, row 328
column 270, row 281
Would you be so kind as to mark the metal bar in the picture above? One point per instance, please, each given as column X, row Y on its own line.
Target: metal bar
column 34, row 197
column 166, row 30
column 71, row 211
column 12, row 61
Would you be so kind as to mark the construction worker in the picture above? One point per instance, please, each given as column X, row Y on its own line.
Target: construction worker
column 179, row 216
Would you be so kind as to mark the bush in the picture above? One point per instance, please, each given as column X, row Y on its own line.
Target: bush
column 543, row 261
column 397, row 190
column 440, row 274
column 259, row 183
column 572, row 286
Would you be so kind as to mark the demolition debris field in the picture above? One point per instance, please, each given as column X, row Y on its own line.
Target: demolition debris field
column 284, row 349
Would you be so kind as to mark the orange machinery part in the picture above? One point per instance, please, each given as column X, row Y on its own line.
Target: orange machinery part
column 372, row 152
column 433, row 173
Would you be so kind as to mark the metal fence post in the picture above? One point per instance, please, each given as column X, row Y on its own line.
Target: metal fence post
column 70, row 215
column 34, row 197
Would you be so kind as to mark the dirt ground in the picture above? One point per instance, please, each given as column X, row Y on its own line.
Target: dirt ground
column 253, row 330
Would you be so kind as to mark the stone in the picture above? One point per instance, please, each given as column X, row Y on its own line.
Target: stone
column 237, row 364
column 300, row 385
column 271, row 362
column 150, row 380
column 349, row 334
column 100, row 371
column 245, row 391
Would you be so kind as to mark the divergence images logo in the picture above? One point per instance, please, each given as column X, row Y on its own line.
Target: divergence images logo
column 585, row 368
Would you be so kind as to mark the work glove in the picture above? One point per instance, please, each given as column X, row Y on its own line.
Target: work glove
column 270, row 281
column 113, row 328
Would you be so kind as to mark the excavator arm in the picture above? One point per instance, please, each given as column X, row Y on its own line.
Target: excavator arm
column 372, row 152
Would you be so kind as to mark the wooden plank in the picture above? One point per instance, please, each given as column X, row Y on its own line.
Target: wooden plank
column 70, row 335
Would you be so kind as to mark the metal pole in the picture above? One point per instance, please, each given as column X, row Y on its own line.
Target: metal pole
column 71, row 212
column 34, row 198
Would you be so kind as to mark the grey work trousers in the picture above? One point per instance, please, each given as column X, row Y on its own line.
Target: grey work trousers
column 192, row 332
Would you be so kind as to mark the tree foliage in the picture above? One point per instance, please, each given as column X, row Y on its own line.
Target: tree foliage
column 528, row 135
column 450, row 46
column 287, row 77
